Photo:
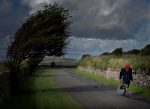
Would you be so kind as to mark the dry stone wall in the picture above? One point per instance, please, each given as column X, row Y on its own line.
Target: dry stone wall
column 4, row 87
column 139, row 78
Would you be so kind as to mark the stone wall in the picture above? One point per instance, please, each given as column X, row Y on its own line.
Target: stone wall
column 4, row 87
column 139, row 78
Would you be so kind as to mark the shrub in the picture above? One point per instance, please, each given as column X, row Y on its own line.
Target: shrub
column 117, row 51
column 53, row 65
column 86, row 55
column 105, row 53
column 134, row 51
column 146, row 50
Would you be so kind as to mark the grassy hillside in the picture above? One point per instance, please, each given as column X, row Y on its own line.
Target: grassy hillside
column 113, row 62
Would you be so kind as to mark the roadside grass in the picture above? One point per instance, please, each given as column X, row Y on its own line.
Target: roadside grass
column 40, row 91
column 143, row 91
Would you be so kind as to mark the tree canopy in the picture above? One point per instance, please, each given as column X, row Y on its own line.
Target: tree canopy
column 45, row 32
column 117, row 51
column 133, row 51
column 146, row 50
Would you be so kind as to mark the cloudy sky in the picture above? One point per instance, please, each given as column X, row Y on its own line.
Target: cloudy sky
column 98, row 25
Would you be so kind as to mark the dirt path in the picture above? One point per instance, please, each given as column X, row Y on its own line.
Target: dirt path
column 92, row 95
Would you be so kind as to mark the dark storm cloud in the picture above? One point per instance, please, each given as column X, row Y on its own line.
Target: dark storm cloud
column 114, row 33
column 98, row 25
column 103, row 19
column 5, row 6
column 12, row 14
column 108, row 19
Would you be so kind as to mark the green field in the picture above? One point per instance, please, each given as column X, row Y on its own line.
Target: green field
column 145, row 92
column 40, row 91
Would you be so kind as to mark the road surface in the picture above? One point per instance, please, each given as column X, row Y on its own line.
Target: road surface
column 93, row 95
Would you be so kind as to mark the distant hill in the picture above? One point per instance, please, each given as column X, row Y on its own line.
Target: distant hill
column 59, row 61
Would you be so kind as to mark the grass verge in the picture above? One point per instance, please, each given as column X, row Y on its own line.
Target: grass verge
column 145, row 92
column 40, row 91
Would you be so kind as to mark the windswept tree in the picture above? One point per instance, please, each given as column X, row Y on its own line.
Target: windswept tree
column 45, row 32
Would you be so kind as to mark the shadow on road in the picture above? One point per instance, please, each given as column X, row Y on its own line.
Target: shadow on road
column 71, row 89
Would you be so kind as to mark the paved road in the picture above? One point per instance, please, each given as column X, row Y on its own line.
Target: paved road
column 92, row 95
